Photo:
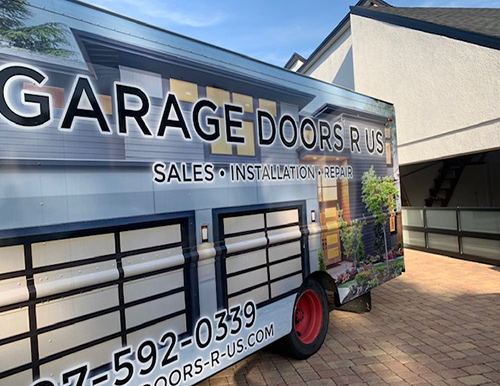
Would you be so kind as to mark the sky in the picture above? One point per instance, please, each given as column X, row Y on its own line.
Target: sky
column 268, row 30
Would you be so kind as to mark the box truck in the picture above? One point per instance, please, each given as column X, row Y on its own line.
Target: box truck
column 168, row 207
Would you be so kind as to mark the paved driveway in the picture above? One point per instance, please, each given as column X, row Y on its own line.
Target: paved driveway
column 438, row 324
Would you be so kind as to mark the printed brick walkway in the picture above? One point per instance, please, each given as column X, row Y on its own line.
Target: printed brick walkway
column 438, row 324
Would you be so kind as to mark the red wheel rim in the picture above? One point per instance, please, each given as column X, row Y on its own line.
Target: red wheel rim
column 308, row 317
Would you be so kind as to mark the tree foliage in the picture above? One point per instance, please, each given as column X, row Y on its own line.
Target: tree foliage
column 378, row 193
column 350, row 236
column 47, row 38
column 378, row 230
column 360, row 249
column 321, row 262
column 12, row 13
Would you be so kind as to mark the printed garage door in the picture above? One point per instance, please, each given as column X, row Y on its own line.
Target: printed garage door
column 77, row 296
column 262, row 258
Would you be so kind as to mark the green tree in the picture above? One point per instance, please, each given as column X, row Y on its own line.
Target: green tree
column 378, row 194
column 47, row 38
column 378, row 229
column 321, row 262
column 360, row 249
column 350, row 236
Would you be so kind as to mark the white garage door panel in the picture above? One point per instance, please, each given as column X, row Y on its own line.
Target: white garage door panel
column 247, row 280
column 245, row 261
column 275, row 244
column 15, row 354
column 288, row 233
column 284, row 237
column 23, row 378
column 285, row 268
column 59, row 310
column 14, row 322
column 62, row 280
column 78, row 281
column 152, row 261
column 282, row 251
column 242, row 243
column 96, row 356
column 285, row 285
column 243, row 223
column 79, row 248
column 149, row 286
column 79, row 333
column 258, row 295
column 282, row 217
column 156, row 331
column 143, row 313
column 150, row 237
column 11, row 259
column 13, row 291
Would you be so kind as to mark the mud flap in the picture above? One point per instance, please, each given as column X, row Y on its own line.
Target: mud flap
column 359, row 305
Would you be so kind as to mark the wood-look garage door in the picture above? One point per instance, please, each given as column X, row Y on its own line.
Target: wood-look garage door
column 263, row 258
column 95, row 293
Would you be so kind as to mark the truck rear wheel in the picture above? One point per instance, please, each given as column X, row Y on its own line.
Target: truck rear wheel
column 310, row 321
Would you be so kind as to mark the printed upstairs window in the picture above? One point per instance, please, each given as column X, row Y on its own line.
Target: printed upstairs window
column 388, row 154
column 222, row 150
column 222, row 147
column 392, row 216
column 248, row 132
column 219, row 97
column 185, row 91
column 150, row 82
column 392, row 222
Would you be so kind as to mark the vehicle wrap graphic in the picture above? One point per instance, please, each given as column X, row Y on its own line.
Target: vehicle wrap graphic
column 163, row 201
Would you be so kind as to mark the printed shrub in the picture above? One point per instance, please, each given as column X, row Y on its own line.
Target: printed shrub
column 363, row 277
column 380, row 272
column 321, row 262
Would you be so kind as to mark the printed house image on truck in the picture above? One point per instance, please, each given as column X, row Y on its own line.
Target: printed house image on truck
column 166, row 205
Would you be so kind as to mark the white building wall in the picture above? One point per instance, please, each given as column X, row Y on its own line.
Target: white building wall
column 446, row 92
column 296, row 65
column 335, row 64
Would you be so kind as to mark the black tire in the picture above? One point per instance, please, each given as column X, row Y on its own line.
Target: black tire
column 305, row 340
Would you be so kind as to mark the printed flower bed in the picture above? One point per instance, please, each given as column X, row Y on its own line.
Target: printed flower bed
column 367, row 276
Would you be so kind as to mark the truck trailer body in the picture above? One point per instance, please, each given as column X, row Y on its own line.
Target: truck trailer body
column 169, row 207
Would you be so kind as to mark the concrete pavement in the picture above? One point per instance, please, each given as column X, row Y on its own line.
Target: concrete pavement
column 438, row 324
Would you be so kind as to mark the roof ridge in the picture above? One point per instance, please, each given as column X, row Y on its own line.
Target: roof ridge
column 429, row 8
column 472, row 26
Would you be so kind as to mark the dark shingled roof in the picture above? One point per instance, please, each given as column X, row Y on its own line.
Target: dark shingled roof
column 475, row 25
column 485, row 21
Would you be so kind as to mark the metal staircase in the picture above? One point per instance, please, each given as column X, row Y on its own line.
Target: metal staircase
column 449, row 176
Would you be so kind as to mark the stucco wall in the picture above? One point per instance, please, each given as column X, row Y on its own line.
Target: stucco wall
column 446, row 92
column 335, row 65
column 296, row 65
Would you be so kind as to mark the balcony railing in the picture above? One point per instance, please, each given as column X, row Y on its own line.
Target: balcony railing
column 467, row 233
